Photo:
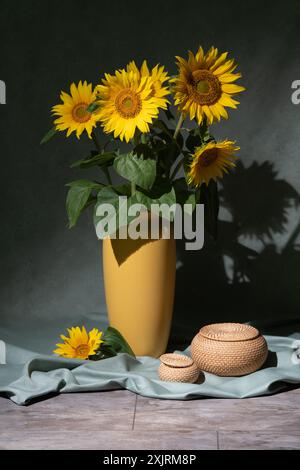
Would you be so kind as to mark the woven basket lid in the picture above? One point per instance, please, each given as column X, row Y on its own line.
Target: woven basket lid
column 229, row 332
column 176, row 360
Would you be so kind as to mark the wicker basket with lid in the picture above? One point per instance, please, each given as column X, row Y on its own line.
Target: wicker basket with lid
column 177, row 368
column 229, row 349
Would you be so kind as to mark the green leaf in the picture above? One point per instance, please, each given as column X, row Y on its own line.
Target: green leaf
column 193, row 140
column 101, row 159
column 93, row 107
column 180, row 185
column 86, row 183
column 167, row 148
column 198, row 137
column 167, row 156
column 109, row 195
column 78, row 198
column 168, row 134
column 183, row 195
column 166, row 198
column 210, row 198
column 190, row 201
column 136, row 169
column 123, row 189
column 160, row 125
column 205, row 134
column 169, row 114
column 162, row 185
column 116, row 342
column 143, row 150
column 48, row 136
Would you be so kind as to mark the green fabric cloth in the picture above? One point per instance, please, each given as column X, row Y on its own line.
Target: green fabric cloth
column 27, row 375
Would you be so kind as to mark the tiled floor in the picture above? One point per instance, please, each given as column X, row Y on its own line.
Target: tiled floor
column 123, row 420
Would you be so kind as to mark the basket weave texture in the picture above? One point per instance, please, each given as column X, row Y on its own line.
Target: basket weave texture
column 229, row 349
column 177, row 368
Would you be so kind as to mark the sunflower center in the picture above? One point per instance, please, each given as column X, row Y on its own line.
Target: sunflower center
column 128, row 103
column 82, row 350
column 202, row 86
column 80, row 113
column 209, row 157
column 205, row 88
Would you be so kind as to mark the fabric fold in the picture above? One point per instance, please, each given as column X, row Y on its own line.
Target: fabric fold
column 27, row 376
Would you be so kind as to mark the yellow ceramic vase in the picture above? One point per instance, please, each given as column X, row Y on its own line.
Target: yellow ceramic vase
column 139, row 280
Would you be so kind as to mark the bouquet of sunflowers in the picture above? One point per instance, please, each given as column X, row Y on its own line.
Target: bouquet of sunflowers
column 148, row 110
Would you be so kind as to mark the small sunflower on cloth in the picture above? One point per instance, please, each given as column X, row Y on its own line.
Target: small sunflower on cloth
column 93, row 345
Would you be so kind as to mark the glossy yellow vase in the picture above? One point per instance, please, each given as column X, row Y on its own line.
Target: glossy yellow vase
column 139, row 280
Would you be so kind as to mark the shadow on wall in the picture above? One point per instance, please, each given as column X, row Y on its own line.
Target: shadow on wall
column 229, row 281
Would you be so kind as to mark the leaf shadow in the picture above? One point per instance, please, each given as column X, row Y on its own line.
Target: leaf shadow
column 229, row 280
column 123, row 249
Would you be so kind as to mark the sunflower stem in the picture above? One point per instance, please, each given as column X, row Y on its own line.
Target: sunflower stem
column 133, row 188
column 107, row 174
column 96, row 142
column 136, row 140
column 178, row 127
column 107, row 143
column 98, row 147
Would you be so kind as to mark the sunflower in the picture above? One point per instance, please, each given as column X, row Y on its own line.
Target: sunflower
column 127, row 102
column 211, row 161
column 204, row 85
column 158, row 76
column 79, row 344
column 73, row 113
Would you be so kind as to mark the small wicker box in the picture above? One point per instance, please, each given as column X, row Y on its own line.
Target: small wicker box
column 229, row 349
column 177, row 368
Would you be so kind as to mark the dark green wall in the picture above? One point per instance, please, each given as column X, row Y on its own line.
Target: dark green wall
column 48, row 271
